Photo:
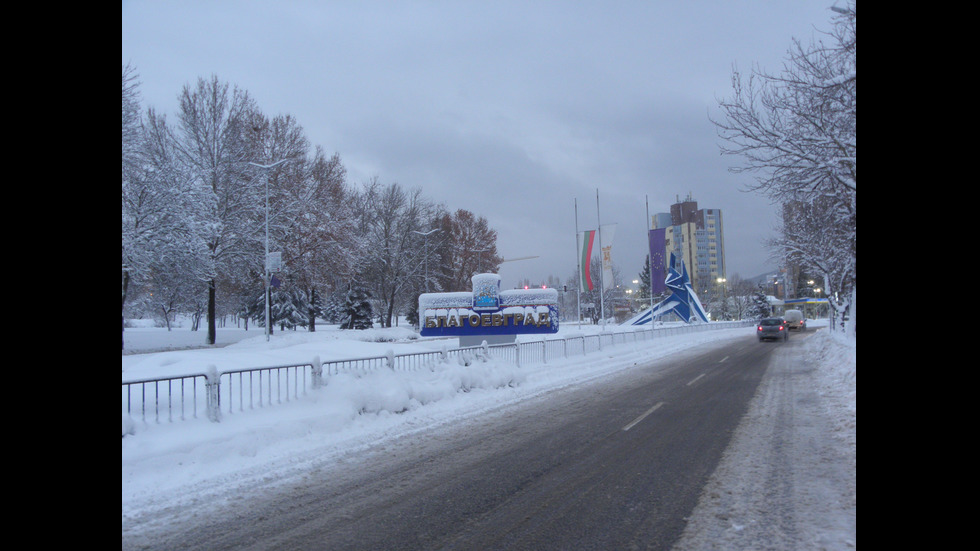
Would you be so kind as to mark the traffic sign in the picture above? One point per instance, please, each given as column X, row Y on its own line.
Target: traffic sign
column 273, row 262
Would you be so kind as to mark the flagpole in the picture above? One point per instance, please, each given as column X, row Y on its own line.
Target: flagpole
column 650, row 261
column 602, row 283
column 578, row 263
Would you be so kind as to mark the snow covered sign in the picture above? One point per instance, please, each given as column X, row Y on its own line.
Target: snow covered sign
column 273, row 262
column 488, row 313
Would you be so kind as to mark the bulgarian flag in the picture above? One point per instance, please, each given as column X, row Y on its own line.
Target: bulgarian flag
column 588, row 240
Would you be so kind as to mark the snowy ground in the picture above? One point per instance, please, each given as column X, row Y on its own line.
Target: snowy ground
column 807, row 498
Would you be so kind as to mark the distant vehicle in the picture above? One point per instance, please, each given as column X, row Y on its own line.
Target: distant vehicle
column 772, row 328
column 795, row 320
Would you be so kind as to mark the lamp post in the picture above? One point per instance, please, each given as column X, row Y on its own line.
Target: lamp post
column 266, row 282
column 479, row 260
column 724, row 294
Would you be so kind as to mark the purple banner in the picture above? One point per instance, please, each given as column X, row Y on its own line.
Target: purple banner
column 658, row 268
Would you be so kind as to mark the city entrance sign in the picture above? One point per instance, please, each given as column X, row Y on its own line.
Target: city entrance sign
column 487, row 313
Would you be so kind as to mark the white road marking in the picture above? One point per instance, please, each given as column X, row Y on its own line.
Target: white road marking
column 642, row 417
column 695, row 379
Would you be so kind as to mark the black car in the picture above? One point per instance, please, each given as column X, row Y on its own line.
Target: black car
column 772, row 328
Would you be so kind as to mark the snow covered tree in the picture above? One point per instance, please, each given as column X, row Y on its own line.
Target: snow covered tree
column 130, row 116
column 319, row 241
column 333, row 307
column 798, row 131
column 759, row 306
column 357, row 310
column 741, row 293
column 194, row 215
column 247, row 306
column 288, row 307
column 130, row 143
column 214, row 143
column 159, row 254
column 170, row 283
column 391, row 219
column 812, row 233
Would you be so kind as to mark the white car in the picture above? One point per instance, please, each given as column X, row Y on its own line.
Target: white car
column 795, row 320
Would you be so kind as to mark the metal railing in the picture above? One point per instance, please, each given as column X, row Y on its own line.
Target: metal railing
column 263, row 386
column 213, row 394
column 146, row 397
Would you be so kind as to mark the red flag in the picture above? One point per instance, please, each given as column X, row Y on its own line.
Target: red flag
column 588, row 240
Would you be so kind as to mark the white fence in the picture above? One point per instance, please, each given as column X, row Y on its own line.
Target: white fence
column 215, row 394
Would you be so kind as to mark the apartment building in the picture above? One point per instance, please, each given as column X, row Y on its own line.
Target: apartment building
column 697, row 237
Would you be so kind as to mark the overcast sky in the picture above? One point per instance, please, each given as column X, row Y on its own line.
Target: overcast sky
column 512, row 110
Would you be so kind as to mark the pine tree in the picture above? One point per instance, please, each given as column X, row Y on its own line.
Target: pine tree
column 412, row 315
column 288, row 308
column 759, row 308
column 357, row 310
column 333, row 308
column 644, row 291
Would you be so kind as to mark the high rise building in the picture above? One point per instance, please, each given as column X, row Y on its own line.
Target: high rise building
column 697, row 237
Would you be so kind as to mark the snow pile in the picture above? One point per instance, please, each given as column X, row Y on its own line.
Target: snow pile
column 432, row 301
column 836, row 358
column 385, row 390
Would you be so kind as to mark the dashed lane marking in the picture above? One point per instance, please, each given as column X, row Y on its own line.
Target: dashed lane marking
column 642, row 417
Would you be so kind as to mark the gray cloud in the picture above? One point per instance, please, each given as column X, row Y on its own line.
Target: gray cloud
column 511, row 110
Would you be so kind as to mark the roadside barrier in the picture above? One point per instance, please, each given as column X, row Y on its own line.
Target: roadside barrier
column 213, row 394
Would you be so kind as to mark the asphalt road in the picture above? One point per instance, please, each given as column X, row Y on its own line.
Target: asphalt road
column 613, row 464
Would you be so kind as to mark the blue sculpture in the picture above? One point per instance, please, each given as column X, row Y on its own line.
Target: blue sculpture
column 682, row 301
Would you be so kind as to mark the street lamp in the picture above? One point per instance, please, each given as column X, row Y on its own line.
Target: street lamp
column 724, row 294
column 267, row 241
column 479, row 260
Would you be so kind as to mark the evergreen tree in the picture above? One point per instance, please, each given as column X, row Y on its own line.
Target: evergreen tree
column 255, row 309
column 357, row 310
column 333, row 308
column 288, row 307
column 644, row 291
column 759, row 308
column 412, row 315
